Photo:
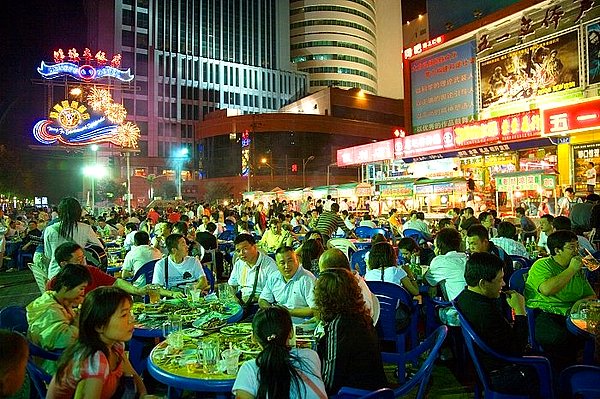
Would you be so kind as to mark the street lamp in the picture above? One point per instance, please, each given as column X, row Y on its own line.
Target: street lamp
column 181, row 156
column 304, row 162
column 264, row 162
column 94, row 172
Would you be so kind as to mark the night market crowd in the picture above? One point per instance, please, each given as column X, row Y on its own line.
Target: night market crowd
column 289, row 262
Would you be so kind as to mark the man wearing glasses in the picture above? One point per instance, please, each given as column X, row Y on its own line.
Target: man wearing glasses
column 275, row 237
column 554, row 285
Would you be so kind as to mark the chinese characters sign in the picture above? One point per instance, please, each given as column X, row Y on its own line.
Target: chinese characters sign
column 442, row 88
column 506, row 128
column 525, row 182
column 546, row 67
column 366, row 153
column 571, row 118
column 86, row 68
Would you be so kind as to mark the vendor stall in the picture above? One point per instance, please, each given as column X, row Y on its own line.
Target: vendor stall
column 437, row 195
column 526, row 186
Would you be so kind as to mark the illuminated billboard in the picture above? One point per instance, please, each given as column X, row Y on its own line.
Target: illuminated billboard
column 86, row 67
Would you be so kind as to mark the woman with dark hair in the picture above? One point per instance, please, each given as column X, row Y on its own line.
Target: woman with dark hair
column 93, row 366
column 278, row 371
column 309, row 254
column 382, row 267
column 349, row 348
column 52, row 318
column 69, row 228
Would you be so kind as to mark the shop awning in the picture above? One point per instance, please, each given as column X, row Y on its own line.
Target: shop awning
column 485, row 150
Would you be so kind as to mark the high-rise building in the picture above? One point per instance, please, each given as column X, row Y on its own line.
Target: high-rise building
column 192, row 57
column 349, row 43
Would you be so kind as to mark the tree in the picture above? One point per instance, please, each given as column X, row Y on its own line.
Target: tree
column 167, row 189
column 109, row 190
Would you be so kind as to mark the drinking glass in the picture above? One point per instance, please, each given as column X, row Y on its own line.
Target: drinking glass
column 231, row 358
column 172, row 325
column 590, row 263
column 224, row 292
column 210, row 354
column 153, row 291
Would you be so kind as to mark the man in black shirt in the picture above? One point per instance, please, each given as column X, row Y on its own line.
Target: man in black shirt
column 480, row 305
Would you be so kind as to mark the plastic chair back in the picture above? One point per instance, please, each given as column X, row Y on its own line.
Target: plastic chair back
column 39, row 378
column 357, row 261
column 517, row 280
column 95, row 255
column 227, row 235
column 147, row 270
column 14, row 318
column 539, row 363
column 580, row 382
column 297, row 229
column 417, row 235
column 522, row 261
column 363, row 232
column 344, row 245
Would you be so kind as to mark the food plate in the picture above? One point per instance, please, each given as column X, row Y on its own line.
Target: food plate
column 212, row 324
column 237, row 329
column 247, row 347
column 189, row 315
column 192, row 332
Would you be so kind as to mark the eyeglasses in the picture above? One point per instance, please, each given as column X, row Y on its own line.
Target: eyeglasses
column 572, row 247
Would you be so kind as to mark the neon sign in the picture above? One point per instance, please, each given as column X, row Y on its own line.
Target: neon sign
column 571, row 118
column 423, row 46
column 506, row 128
column 71, row 124
column 85, row 70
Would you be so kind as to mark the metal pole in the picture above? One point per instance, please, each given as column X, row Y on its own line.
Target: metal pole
column 128, row 184
column 93, row 195
column 178, row 169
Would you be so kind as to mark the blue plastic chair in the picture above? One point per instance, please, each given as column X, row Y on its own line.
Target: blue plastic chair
column 147, row 270
column 363, row 232
column 417, row 235
column 521, row 260
column 432, row 345
column 353, row 393
column 517, row 280
column 39, row 378
column 390, row 295
column 227, row 235
column 297, row 229
column 357, row 261
column 210, row 277
column 380, row 230
column 580, row 382
column 539, row 363
column 229, row 225
column 14, row 318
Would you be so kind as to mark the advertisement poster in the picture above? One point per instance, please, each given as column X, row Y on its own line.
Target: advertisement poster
column 583, row 154
column 442, row 88
column 593, row 51
column 548, row 66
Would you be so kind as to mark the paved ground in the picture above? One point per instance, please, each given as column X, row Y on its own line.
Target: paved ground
column 19, row 288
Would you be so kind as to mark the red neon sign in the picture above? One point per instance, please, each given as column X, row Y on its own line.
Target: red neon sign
column 571, row 118
column 514, row 127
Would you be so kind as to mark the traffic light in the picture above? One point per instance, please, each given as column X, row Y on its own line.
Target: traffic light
column 294, row 168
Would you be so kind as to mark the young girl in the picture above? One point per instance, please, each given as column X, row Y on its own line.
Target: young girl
column 382, row 267
column 92, row 368
column 278, row 372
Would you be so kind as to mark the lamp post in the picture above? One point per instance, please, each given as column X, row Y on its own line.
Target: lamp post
column 264, row 162
column 304, row 162
column 181, row 156
column 328, row 166
column 94, row 172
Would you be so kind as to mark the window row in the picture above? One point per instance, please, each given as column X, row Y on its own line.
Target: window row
column 334, row 9
column 333, row 43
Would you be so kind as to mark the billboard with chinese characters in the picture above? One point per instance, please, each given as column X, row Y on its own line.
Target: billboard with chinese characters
column 443, row 88
column 546, row 67
column 525, row 181
column 571, row 118
column 524, row 125
column 593, row 52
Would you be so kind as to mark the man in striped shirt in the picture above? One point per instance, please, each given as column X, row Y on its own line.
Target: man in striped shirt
column 329, row 221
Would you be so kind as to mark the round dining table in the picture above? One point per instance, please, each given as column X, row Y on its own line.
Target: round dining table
column 580, row 327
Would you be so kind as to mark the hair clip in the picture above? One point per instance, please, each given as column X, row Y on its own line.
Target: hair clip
column 271, row 337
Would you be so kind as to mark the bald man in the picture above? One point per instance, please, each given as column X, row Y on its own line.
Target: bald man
column 334, row 258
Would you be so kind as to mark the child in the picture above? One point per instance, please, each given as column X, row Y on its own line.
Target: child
column 278, row 372
column 14, row 352
column 94, row 365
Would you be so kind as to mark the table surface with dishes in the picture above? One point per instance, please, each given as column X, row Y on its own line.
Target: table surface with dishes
column 204, row 343
column 584, row 322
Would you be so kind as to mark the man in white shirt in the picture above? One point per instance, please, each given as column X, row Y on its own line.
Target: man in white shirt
column 546, row 228
column 448, row 270
column 327, row 203
column 130, row 230
column 292, row 287
column 181, row 269
column 590, row 177
column 250, row 261
column 417, row 222
column 141, row 253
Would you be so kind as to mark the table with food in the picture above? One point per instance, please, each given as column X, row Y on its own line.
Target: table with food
column 584, row 321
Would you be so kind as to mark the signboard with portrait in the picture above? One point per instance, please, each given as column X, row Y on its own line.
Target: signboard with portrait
column 443, row 88
column 545, row 67
column 583, row 154
column 593, row 51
